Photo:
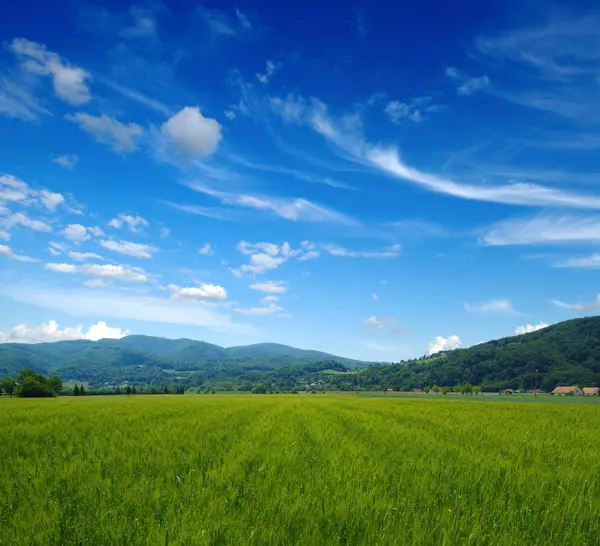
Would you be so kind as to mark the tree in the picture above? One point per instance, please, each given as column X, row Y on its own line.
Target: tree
column 128, row 389
column 133, row 390
column 426, row 390
column 467, row 389
column 436, row 389
column 81, row 390
column 166, row 390
column 76, row 390
column 35, row 386
column 56, row 383
column 8, row 385
column 445, row 390
column 118, row 390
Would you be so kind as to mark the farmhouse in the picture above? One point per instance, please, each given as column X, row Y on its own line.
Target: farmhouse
column 417, row 390
column 571, row 391
column 591, row 391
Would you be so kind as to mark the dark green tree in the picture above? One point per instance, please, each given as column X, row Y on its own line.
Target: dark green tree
column 133, row 390
column 76, row 390
column 81, row 390
column 56, row 383
column 8, row 385
column 128, row 389
column 166, row 390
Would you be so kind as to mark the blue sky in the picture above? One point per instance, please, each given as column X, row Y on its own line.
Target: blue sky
column 375, row 181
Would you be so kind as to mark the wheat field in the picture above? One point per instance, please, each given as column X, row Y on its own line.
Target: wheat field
column 297, row 469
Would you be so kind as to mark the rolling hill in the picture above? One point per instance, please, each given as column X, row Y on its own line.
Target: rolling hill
column 156, row 360
column 566, row 353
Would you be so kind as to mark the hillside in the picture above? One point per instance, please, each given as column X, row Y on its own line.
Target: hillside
column 566, row 353
column 155, row 360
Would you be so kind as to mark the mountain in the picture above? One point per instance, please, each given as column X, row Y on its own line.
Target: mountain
column 156, row 360
column 567, row 353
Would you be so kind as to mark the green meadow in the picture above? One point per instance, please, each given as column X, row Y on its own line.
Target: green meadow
column 298, row 469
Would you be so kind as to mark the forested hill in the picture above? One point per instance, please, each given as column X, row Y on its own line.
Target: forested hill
column 567, row 353
column 149, row 359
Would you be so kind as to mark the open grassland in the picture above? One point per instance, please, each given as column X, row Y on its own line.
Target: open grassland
column 297, row 469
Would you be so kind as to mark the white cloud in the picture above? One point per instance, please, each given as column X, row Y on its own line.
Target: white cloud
column 269, row 299
column 67, row 161
column 134, row 223
column 229, row 114
column 259, row 263
column 193, row 133
column 82, row 256
column 379, row 323
column 21, row 219
column 4, row 235
column 69, row 82
column 9, row 253
column 243, row 19
column 310, row 255
column 108, row 304
column 61, row 268
column 493, row 306
column 206, row 249
column 439, row 343
column 128, row 248
column 121, row 137
column 375, row 296
column 269, row 287
column 296, row 209
column 528, row 328
column 97, row 283
column 202, row 292
column 544, row 229
column 50, row 331
column 51, row 200
column 269, row 309
column 580, row 307
column 265, row 256
column 115, row 272
column 144, row 24
column 472, row 85
column 270, row 69
column 587, row 262
column 415, row 110
column 337, row 250
column 164, row 232
column 96, row 231
column 76, row 233
column 346, row 134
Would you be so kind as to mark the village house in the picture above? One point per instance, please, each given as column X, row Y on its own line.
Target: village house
column 568, row 391
column 591, row 391
column 417, row 390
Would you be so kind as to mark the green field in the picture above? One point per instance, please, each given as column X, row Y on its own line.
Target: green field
column 298, row 469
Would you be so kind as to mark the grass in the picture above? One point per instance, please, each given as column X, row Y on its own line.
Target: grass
column 297, row 469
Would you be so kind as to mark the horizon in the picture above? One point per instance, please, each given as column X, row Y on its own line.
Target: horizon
column 378, row 181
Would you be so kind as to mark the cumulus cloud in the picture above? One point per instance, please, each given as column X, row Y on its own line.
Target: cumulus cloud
column 67, row 161
column 439, row 343
column 528, row 328
column 115, row 272
column 21, row 219
column 50, row 331
column 414, row 110
column 76, row 233
column 61, row 268
column 193, row 133
column 133, row 223
column 206, row 249
column 9, row 253
column 121, row 137
column 269, row 287
column 14, row 190
column 493, row 306
column 202, row 292
column 128, row 248
column 69, row 82
column 51, row 200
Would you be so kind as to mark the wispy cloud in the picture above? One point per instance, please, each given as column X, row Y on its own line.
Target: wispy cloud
column 587, row 262
column 544, row 229
column 346, row 134
column 414, row 110
column 579, row 307
column 9, row 253
column 121, row 137
column 500, row 307
column 296, row 209
column 337, row 250
column 467, row 85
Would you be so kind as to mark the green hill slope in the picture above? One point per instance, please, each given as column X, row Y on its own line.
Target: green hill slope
column 159, row 360
column 566, row 353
